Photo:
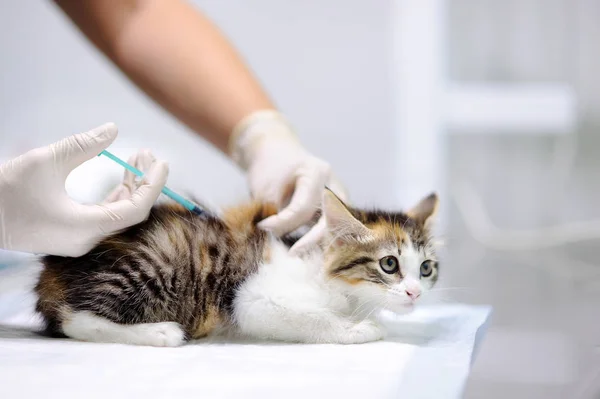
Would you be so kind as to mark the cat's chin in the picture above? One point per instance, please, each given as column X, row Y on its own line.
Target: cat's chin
column 401, row 308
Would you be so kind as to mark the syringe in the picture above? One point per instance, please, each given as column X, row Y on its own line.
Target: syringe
column 166, row 190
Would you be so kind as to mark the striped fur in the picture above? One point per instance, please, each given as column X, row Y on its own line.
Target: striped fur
column 175, row 266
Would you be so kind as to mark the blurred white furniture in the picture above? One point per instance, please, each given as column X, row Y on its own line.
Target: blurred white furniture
column 427, row 105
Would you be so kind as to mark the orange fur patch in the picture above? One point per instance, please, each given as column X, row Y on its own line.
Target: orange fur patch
column 387, row 231
column 240, row 218
column 266, row 254
column 401, row 236
column 51, row 293
column 352, row 280
column 211, row 321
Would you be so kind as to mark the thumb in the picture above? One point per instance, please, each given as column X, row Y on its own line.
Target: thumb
column 76, row 149
column 121, row 214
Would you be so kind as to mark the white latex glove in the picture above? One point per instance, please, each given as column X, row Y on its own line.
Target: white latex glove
column 143, row 161
column 37, row 215
column 282, row 172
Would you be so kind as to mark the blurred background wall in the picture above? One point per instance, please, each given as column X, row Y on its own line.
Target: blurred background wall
column 329, row 65
column 530, row 41
column 544, row 339
column 324, row 62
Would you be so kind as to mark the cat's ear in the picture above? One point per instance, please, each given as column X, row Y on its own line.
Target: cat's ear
column 425, row 210
column 342, row 226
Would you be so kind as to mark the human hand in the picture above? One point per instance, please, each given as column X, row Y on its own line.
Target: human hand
column 37, row 215
column 281, row 171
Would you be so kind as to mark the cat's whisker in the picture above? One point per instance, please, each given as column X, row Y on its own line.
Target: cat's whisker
column 363, row 305
column 385, row 304
column 450, row 288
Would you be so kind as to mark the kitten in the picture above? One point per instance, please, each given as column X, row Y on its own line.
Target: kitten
column 178, row 276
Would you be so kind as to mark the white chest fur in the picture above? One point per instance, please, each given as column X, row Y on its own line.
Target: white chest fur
column 289, row 299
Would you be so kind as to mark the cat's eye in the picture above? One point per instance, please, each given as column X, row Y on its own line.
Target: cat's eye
column 389, row 264
column 427, row 268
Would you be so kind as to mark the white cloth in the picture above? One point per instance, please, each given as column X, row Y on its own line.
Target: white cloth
column 432, row 361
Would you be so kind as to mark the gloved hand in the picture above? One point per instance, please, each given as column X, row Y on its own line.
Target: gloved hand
column 37, row 215
column 142, row 160
column 282, row 172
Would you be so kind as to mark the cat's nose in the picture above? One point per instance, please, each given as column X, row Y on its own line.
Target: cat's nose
column 413, row 293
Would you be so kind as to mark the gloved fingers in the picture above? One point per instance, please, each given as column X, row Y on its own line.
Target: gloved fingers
column 316, row 233
column 118, row 215
column 310, row 239
column 146, row 194
column 144, row 160
column 304, row 203
column 118, row 193
column 141, row 160
column 75, row 150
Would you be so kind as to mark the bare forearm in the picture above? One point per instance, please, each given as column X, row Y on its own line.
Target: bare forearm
column 178, row 57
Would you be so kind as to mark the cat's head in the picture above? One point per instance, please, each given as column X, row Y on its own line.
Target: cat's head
column 381, row 259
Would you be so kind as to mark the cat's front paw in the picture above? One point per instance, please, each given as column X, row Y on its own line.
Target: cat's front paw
column 162, row 334
column 364, row 331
